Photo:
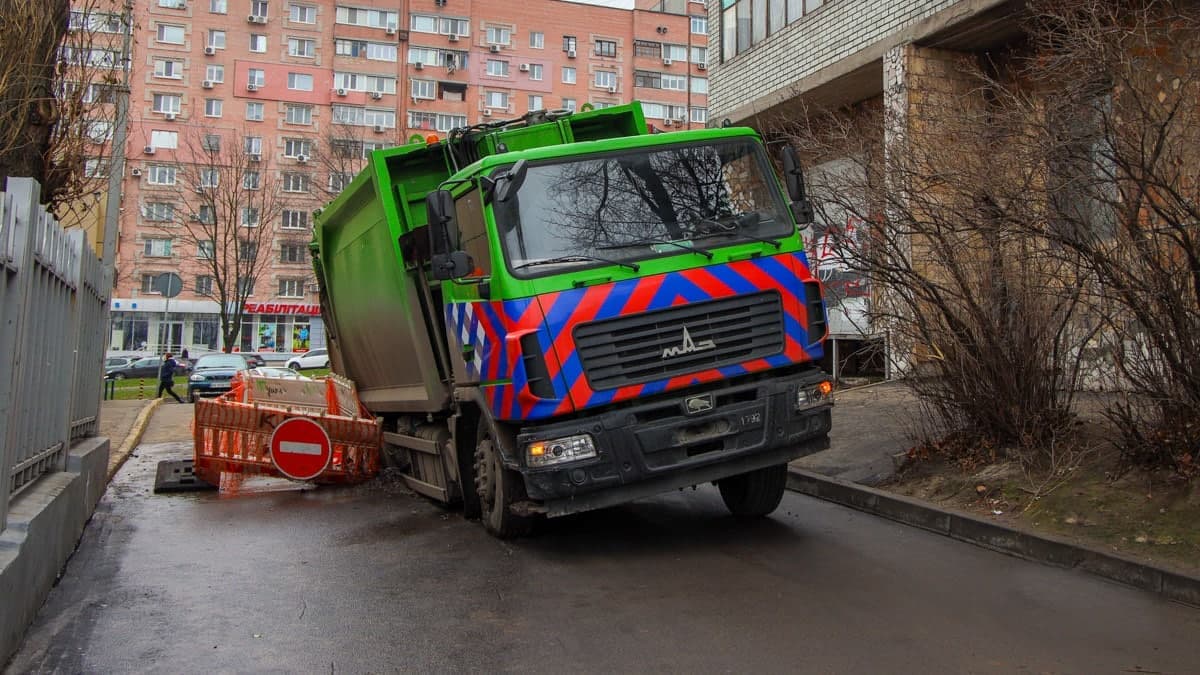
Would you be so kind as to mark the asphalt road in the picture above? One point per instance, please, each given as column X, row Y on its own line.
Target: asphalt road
column 378, row 580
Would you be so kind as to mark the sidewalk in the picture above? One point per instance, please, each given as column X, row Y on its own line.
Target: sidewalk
column 129, row 423
column 870, row 425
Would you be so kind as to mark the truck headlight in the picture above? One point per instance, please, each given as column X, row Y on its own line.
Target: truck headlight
column 559, row 450
column 811, row 397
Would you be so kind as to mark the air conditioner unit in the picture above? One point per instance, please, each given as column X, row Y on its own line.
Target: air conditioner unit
column 419, row 66
column 379, row 128
column 667, row 62
column 524, row 68
column 376, row 95
column 391, row 29
column 341, row 92
column 570, row 53
column 487, row 112
column 701, row 66
column 195, row 217
column 209, row 51
column 254, row 18
column 303, row 159
column 612, row 89
column 254, row 157
column 251, row 87
column 495, row 49
column 453, row 37
column 149, row 149
column 207, row 84
column 170, row 117
column 135, row 172
column 667, row 122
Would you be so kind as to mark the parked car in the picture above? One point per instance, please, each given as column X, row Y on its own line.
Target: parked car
column 281, row 373
column 254, row 359
column 313, row 358
column 114, row 362
column 213, row 374
column 144, row 367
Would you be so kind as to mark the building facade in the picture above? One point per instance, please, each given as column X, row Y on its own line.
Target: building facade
column 775, row 60
column 303, row 90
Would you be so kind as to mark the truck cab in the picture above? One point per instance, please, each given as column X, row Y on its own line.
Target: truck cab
column 591, row 321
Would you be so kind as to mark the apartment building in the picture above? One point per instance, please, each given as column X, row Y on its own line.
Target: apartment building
column 302, row 90
column 777, row 58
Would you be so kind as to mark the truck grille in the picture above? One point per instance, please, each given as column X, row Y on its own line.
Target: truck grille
column 651, row 346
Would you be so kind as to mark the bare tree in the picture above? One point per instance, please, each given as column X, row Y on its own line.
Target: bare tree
column 60, row 70
column 229, row 199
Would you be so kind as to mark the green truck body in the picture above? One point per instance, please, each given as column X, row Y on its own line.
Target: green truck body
column 564, row 312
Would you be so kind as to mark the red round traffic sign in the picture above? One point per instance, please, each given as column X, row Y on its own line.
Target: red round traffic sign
column 300, row 448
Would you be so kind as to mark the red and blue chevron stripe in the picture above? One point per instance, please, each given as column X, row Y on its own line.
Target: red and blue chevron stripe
column 495, row 330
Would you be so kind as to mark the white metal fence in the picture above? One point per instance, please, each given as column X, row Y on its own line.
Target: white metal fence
column 53, row 303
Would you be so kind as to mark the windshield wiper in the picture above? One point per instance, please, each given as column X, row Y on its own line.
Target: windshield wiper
column 715, row 228
column 577, row 258
column 650, row 240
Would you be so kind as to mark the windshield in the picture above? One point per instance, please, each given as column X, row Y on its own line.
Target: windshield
column 221, row 361
column 641, row 204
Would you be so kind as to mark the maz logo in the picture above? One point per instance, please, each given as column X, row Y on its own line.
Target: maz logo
column 688, row 346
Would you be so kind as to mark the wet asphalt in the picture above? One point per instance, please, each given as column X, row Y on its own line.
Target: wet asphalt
column 376, row 579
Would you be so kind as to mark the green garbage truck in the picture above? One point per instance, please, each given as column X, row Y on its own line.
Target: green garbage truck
column 565, row 311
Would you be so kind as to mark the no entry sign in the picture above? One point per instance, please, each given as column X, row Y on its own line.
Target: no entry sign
column 300, row 448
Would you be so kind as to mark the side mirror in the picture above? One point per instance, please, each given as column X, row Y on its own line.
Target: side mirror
column 453, row 265
column 508, row 184
column 793, row 178
column 443, row 223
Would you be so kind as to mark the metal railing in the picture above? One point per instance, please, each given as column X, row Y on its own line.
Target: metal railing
column 53, row 301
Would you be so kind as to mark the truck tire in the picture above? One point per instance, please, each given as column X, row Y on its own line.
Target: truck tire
column 756, row 493
column 498, row 489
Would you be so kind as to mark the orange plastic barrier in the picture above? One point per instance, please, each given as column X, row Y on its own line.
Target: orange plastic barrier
column 231, row 436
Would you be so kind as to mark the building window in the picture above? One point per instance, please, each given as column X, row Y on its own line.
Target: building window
column 95, row 168
column 373, row 51
column 249, row 216
column 210, row 177
column 168, row 140
column 535, row 102
column 699, row 25
column 371, row 18
column 745, row 23
column 339, row 180
column 159, row 212
column 569, row 43
column 207, row 214
column 497, row 68
column 168, row 68
column 214, row 73
column 568, row 104
column 499, row 35
column 213, row 107
column 258, row 43
column 367, row 117
column 148, row 283
column 251, row 180
column 295, row 220
column 255, row 111
column 300, row 81
column 298, row 114
column 700, row 55
column 568, row 75
column 537, row 40
column 258, row 8
column 256, row 77
column 424, row 23
column 206, row 249
column 435, row 121
column 156, row 248
column 160, row 174
column 606, row 79
column 699, row 85
column 216, row 39
column 700, row 115
column 170, row 34
column 535, row 71
column 167, row 103
column 297, row 147
column 302, row 47
column 496, row 99
column 204, row 285
column 210, row 143
column 295, row 182
column 675, row 53
column 606, row 48
column 292, row 253
column 291, row 288
column 253, row 145
column 99, row 131
column 247, row 250
column 218, row 6
column 424, row 89
column 302, row 14
column 383, row 84
column 245, row 287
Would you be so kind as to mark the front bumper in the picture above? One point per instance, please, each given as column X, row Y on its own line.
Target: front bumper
column 658, row 446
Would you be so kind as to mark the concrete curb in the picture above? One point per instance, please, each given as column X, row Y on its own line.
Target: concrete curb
column 135, row 436
column 1041, row 548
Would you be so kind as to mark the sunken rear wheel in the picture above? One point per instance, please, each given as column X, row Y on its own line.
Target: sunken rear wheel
column 755, row 493
column 498, row 489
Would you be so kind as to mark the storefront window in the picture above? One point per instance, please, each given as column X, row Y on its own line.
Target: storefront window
column 301, row 336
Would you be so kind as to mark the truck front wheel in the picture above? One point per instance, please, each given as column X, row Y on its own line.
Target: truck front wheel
column 498, row 489
column 755, row 493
